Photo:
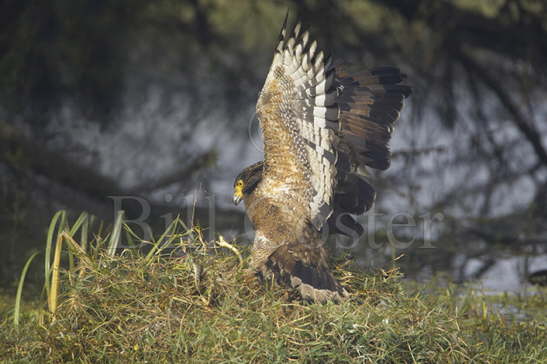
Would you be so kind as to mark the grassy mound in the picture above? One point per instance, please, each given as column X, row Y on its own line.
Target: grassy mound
column 203, row 306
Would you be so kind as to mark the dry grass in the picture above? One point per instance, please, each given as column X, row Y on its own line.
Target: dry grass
column 203, row 306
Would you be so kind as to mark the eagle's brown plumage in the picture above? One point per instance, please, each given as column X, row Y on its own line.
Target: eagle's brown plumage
column 321, row 125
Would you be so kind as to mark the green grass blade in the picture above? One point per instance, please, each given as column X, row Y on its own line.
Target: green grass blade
column 17, row 311
column 132, row 237
column 84, row 233
column 78, row 223
column 116, row 234
column 169, row 232
column 49, row 242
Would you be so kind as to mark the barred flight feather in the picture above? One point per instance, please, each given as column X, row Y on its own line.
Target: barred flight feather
column 314, row 108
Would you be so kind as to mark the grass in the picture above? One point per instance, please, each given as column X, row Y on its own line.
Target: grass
column 198, row 303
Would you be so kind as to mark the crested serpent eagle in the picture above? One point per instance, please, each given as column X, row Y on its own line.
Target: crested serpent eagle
column 322, row 125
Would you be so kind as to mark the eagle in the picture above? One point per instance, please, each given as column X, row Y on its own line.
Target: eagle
column 322, row 125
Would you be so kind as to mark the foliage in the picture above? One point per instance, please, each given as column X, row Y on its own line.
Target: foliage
column 470, row 146
column 188, row 300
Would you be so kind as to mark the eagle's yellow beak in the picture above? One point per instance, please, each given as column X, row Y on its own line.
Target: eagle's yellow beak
column 238, row 192
column 236, row 199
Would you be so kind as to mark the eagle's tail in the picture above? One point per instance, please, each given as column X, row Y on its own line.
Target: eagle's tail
column 303, row 267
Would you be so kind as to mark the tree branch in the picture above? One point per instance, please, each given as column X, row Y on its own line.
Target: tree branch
column 526, row 128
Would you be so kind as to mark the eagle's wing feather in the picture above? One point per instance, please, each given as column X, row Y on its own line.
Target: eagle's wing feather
column 370, row 104
column 297, row 108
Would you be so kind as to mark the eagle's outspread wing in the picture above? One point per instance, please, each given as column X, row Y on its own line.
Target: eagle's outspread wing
column 321, row 127
column 298, row 115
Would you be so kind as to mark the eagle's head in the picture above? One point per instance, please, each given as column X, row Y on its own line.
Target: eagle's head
column 246, row 181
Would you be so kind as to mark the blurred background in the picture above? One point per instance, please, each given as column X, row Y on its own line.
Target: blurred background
column 155, row 99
